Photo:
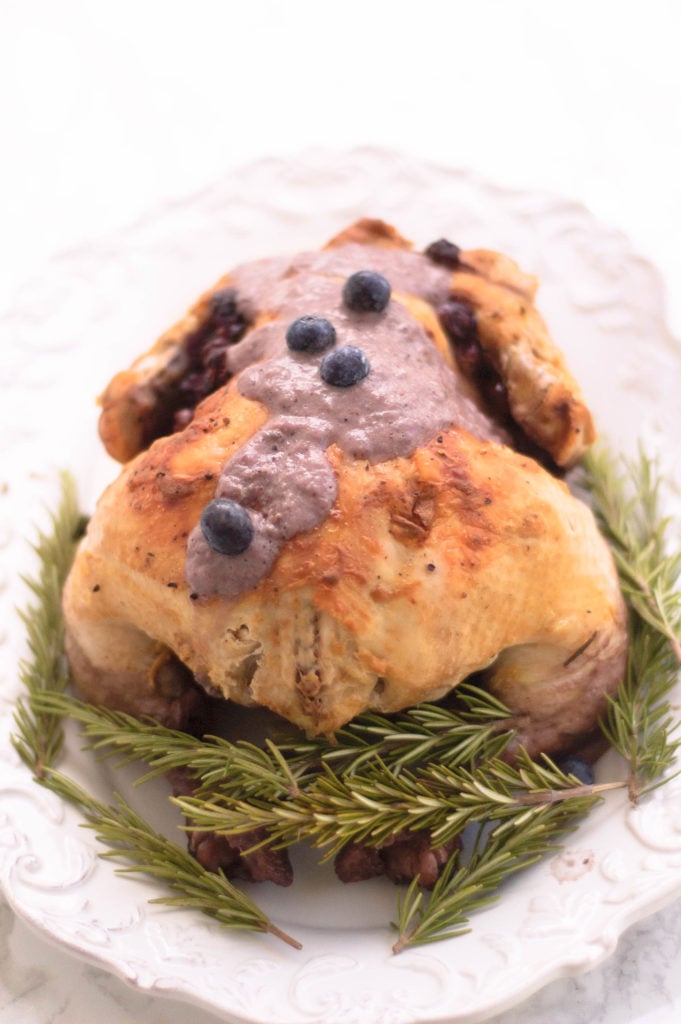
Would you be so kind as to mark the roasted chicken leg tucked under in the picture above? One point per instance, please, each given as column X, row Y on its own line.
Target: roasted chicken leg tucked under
column 333, row 499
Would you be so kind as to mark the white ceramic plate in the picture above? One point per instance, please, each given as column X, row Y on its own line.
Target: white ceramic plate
column 86, row 316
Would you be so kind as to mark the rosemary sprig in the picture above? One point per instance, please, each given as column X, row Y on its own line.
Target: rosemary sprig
column 372, row 805
column 215, row 762
column 478, row 729
column 639, row 723
column 39, row 735
column 534, row 804
column 144, row 851
column 627, row 507
column 462, row 889
column 423, row 733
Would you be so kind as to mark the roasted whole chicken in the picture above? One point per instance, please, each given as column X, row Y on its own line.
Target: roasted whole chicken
column 342, row 489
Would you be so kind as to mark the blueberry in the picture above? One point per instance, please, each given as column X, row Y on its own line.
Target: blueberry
column 310, row 334
column 344, row 366
column 227, row 526
column 444, row 252
column 223, row 305
column 366, row 292
column 459, row 321
column 575, row 766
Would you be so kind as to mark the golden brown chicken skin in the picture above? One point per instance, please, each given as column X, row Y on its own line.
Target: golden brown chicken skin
column 398, row 540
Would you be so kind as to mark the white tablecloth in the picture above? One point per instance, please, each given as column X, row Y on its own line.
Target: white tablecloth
column 110, row 109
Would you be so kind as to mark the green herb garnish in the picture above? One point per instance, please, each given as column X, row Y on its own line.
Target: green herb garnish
column 639, row 723
column 429, row 768
column 39, row 736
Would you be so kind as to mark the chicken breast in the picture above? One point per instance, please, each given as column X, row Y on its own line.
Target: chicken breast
column 329, row 502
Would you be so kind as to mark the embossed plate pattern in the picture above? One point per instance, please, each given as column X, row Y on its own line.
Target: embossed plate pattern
column 86, row 315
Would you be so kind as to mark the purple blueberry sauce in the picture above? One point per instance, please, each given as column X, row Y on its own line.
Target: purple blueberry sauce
column 281, row 475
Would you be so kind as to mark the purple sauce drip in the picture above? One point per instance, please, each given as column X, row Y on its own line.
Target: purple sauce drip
column 281, row 475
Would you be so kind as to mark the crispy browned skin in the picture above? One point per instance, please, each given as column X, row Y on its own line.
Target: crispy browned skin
column 544, row 398
column 352, row 615
column 464, row 557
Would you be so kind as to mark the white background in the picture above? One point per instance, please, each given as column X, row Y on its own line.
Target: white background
column 109, row 108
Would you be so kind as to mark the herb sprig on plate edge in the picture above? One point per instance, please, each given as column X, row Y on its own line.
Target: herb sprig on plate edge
column 382, row 774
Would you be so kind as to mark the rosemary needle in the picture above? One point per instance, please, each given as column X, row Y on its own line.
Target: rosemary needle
column 146, row 851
